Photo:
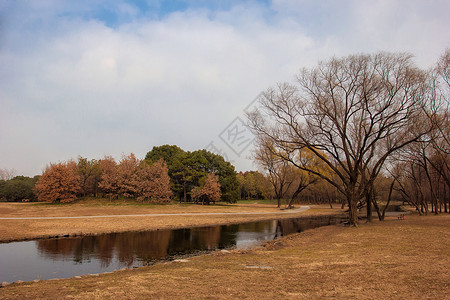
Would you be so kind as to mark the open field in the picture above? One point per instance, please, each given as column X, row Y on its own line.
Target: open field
column 222, row 214
column 395, row 259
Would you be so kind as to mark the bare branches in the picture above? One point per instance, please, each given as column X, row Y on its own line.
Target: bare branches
column 351, row 113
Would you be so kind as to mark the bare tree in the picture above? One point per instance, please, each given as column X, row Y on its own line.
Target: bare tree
column 280, row 173
column 7, row 174
column 427, row 163
column 352, row 113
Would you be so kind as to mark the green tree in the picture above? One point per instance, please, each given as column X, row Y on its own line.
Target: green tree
column 18, row 188
column 90, row 174
column 178, row 167
column 187, row 169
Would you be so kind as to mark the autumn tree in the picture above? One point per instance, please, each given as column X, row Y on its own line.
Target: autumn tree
column 209, row 191
column 153, row 182
column 128, row 180
column 322, row 192
column 253, row 184
column 59, row 183
column 352, row 113
column 109, row 179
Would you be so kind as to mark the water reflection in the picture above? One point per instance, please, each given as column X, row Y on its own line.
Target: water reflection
column 149, row 246
column 68, row 257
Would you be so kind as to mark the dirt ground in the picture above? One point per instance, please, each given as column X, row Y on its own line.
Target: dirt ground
column 11, row 230
column 394, row 259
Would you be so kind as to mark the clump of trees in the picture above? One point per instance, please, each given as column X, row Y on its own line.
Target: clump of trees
column 18, row 189
column 130, row 178
column 134, row 178
column 254, row 185
column 344, row 119
column 167, row 171
column 208, row 192
column 188, row 170
column 422, row 170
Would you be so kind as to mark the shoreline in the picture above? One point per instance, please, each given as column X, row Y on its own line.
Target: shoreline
column 266, row 217
column 181, row 258
column 327, row 262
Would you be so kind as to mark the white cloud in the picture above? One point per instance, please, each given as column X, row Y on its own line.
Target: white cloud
column 73, row 86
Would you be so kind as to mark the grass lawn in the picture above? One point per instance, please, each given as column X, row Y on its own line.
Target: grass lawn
column 394, row 259
column 25, row 229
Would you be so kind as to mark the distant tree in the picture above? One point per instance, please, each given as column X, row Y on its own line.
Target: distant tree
column 60, row 182
column 187, row 169
column 128, row 181
column 209, row 191
column 7, row 174
column 153, row 182
column 253, row 184
column 178, row 168
column 109, row 179
column 18, row 188
column 280, row 172
column 90, row 174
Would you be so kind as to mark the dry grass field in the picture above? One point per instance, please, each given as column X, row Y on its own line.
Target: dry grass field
column 394, row 259
column 20, row 229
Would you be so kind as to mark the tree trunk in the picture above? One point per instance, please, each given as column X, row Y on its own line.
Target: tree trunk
column 352, row 208
column 353, row 214
column 299, row 189
column 184, row 192
column 369, row 206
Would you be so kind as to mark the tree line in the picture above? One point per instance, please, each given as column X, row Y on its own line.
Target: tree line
column 130, row 178
column 350, row 121
column 167, row 173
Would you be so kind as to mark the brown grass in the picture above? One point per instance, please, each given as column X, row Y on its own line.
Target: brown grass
column 395, row 259
column 26, row 229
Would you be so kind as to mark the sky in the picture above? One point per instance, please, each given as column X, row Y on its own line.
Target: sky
column 95, row 78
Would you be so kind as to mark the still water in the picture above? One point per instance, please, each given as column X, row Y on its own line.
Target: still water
column 69, row 257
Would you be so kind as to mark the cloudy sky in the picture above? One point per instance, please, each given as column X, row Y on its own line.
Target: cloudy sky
column 95, row 78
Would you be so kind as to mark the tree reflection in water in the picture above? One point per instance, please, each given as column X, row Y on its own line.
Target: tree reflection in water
column 141, row 248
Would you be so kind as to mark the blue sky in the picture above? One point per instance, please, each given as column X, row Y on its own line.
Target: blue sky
column 97, row 78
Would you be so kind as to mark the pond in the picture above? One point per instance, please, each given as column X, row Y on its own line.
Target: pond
column 74, row 256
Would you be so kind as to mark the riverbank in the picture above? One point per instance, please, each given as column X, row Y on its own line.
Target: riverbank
column 394, row 259
column 92, row 218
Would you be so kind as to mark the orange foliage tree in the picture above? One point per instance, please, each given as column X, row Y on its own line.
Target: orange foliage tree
column 131, row 178
column 153, row 182
column 127, row 177
column 109, row 182
column 209, row 192
column 59, row 183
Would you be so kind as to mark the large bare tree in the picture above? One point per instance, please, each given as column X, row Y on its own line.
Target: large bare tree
column 352, row 113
